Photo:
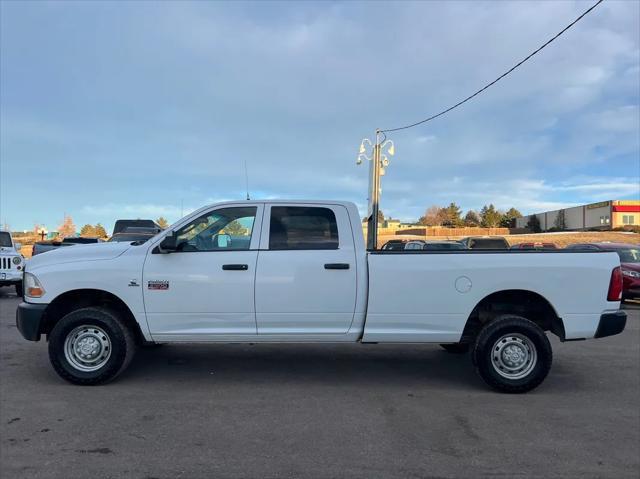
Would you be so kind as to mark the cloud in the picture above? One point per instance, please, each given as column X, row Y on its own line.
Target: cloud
column 172, row 99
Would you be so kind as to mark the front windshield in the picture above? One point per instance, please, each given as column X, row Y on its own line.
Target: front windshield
column 631, row 255
column 5, row 240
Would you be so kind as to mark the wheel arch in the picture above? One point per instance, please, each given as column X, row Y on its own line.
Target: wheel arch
column 83, row 298
column 521, row 302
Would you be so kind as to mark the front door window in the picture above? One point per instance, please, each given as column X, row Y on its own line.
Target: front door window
column 223, row 229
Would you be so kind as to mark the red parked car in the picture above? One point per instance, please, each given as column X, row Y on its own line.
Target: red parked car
column 629, row 261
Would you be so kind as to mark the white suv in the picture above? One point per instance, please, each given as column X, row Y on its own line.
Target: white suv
column 11, row 262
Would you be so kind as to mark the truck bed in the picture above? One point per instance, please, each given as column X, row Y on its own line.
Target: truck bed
column 428, row 296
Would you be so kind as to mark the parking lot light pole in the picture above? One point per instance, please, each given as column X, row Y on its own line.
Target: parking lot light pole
column 378, row 163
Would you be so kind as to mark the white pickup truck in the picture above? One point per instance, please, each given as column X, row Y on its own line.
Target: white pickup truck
column 298, row 271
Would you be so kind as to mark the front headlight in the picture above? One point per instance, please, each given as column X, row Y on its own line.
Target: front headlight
column 631, row 274
column 32, row 287
column 16, row 260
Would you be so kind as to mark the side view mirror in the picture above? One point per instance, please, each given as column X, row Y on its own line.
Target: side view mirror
column 17, row 246
column 168, row 244
column 222, row 241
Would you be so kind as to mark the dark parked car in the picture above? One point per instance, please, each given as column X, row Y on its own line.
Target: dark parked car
column 137, row 234
column 394, row 245
column 82, row 240
column 535, row 245
column 485, row 242
column 122, row 225
column 629, row 261
column 44, row 246
column 443, row 245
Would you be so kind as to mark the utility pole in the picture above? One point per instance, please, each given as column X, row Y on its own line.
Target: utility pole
column 379, row 161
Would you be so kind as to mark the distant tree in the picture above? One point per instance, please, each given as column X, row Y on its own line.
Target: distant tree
column 471, row 219
column 533, row 224
column 489, row 216
column 67, row 228
column 508, row 219
column 235, row 229
column 88, row 231
column 99, row 231
column 560, row 223
column 451, row 216
column 162, row 222
column 434, row 216
column 380, row 217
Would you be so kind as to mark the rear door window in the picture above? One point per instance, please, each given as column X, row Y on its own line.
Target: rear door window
column 302, row 228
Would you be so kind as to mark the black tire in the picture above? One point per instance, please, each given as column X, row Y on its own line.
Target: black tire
column 456, row 348
column 528, row 337
column 121, row 345
column 19, row 289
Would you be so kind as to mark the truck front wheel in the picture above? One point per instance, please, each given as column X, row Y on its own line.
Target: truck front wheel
column 90, row 346
column 512, row 354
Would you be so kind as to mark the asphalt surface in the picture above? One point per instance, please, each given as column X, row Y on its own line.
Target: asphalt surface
column 318, row 411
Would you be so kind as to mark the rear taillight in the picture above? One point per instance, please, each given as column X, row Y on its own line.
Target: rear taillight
column 615, row 285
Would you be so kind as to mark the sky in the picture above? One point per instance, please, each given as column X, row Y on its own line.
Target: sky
column 141, row 109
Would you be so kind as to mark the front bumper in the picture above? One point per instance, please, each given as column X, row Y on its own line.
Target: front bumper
column 29, row 320
column 10, row 276
column 611, row 323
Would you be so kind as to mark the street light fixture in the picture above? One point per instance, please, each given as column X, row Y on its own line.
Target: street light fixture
column 377, row 168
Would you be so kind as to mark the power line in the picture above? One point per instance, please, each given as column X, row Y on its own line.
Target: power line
column 497, row 79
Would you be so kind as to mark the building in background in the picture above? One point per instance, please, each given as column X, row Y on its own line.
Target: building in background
column 605, row 215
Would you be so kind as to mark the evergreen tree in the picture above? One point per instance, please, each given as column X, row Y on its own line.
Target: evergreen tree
column 489, row 216
column 99, row 231
column 508, row 219
column 452, row 216
column 533, row 224
column 87, row 231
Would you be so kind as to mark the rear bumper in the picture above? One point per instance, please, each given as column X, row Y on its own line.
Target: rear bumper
column 611, row 323
column 29, row 320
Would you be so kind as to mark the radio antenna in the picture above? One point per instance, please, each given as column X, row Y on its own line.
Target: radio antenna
column 246, row 178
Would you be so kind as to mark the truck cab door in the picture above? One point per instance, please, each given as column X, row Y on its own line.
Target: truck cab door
column 306, row 273
column 205, row 288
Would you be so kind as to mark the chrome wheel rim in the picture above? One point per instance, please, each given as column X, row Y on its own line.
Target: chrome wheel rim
column 87, row 348
column 514, row 356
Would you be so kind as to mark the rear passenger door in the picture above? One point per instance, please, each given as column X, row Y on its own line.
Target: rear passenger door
column 306, row 273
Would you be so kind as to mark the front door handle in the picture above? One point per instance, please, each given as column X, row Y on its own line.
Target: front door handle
column 336, row 266
column 235, row 267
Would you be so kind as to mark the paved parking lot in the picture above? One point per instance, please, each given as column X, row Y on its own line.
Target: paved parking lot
column 318, row 411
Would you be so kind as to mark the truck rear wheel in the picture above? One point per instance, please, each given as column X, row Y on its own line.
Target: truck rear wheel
column 512, row 354
column 90, row 346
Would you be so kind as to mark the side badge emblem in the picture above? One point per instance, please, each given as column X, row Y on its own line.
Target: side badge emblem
column 134, row 282
column 158, row 285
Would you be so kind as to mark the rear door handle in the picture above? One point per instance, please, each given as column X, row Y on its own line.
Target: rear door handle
column 336, row 266
column 235, row 267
